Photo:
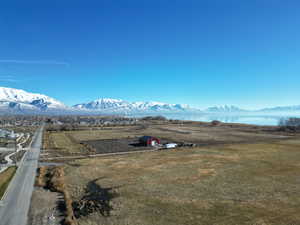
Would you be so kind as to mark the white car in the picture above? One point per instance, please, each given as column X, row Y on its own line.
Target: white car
column 171, row 145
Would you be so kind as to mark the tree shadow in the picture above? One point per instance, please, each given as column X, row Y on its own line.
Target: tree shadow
column 61, row 207
column 95, row 199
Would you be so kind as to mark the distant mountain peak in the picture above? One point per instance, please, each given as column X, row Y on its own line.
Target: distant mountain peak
column 20, row 100
column 108, row 100
column 118, row 105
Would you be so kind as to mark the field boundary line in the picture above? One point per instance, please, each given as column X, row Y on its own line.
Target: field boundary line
column 99, row 155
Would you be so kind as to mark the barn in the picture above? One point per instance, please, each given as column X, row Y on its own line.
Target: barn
column 149, row 141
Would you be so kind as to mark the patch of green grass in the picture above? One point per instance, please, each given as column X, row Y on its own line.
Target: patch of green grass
column 5, row 179
column 62, row 141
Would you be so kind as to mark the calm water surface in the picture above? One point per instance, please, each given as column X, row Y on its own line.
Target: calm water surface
column 255, row 120
column 270, row 120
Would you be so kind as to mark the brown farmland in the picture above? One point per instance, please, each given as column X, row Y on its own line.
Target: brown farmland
column 237, row 174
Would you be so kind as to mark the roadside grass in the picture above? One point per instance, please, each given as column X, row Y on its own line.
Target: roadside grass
column 5, row 179
column 227, row 184
column 3, row 142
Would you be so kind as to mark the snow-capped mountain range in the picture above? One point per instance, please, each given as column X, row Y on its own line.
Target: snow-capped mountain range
column 19, row 101
column 22, row 102
column 118, row 105
column 15, row 100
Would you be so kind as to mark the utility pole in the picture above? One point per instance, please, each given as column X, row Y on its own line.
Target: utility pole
column 15, row 151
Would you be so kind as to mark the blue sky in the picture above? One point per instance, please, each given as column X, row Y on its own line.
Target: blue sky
column 203, row 53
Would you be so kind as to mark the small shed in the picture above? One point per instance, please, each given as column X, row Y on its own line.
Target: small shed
column 149, row 141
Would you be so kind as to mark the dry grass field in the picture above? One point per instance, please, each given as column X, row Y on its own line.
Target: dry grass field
column 61, row 143
column 230, row 184
column 5, row 178
column 193, row 132
column 67, row 143
column 237, row 175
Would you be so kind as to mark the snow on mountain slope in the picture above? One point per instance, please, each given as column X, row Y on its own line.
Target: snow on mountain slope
column 19, row 100
column 103, row 104
column 117, row 105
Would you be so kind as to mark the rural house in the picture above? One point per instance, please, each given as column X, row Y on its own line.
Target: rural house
column 149, row 141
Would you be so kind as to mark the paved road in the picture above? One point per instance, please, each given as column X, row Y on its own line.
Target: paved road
column 15, row 206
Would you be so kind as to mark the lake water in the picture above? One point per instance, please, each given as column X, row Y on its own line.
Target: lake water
column 270, row 120
column 255, row 120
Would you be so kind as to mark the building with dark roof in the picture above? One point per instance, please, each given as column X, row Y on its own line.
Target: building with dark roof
column 149, row 141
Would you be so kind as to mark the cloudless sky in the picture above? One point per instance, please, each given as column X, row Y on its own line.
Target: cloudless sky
column 201, row 52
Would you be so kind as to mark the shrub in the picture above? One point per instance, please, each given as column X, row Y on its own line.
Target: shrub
column 160, row 118
column 216, row 122
column 290, row 124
